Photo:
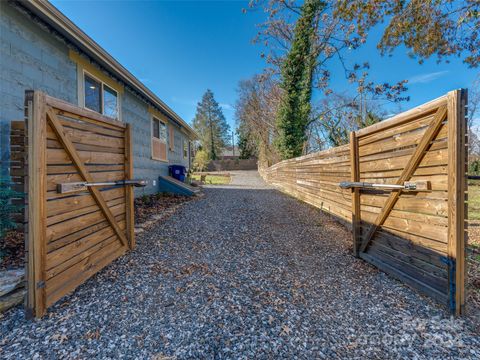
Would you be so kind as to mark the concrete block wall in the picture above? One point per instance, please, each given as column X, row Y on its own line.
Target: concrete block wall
column 135, row 112
column 176, row 156
column 30, row 58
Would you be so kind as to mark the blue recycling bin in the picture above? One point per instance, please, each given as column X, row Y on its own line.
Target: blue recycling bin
column 177, row 172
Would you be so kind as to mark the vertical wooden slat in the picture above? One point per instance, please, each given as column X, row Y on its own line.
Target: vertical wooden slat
column 456, row 198
column 355, row 176
column 129, row 190
column 37, row 132
column 29, row 273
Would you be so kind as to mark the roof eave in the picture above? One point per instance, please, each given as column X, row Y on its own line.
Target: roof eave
column 52, row 16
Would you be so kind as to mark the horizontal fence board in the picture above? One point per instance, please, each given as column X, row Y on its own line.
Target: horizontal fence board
column 54, row 144
column 74, row 123
column 59, row 156
column 85, row 138
column 64, row 257
column 77, row 212
column 70, row 169
column 62, row 205
column 440, row 145
column 67, row 281
column 399, row 141
column 399, row 129
column 97, row 226
column 57, row 231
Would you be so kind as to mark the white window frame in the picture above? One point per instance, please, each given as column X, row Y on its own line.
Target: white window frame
column 82, row 92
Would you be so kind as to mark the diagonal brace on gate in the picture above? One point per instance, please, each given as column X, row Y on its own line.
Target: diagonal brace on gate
column 407, row 173
column 78, row 163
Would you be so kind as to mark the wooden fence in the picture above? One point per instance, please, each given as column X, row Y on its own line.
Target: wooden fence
column 18, row 165
column 70, row 237
column 416, row 236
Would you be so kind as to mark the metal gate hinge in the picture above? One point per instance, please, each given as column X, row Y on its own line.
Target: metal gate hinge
column 40, row 284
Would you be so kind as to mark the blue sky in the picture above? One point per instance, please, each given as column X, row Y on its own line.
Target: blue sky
column 181, row 48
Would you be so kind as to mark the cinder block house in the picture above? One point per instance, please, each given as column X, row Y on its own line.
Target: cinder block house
column 41, row 49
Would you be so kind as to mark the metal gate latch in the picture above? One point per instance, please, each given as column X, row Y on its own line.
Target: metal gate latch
column 83, row 185
column 407, row 185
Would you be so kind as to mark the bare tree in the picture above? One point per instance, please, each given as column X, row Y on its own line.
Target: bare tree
column 339, row 114
column 473, row 119
column 474, row 102
column 334, row 39
column 334, row 36
column 258, row 100
column 441, row 28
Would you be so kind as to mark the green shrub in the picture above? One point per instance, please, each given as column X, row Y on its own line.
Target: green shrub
column 201, row 160
column 6, row 206
column 474, row 167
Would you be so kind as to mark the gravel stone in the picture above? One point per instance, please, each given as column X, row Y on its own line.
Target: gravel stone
column 245, row 272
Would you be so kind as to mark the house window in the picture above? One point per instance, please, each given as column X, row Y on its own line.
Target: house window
column 159, row 130
column 185, row 149
column 159, row 140
column 100, row 97
column 110, row 102
column 93, row 91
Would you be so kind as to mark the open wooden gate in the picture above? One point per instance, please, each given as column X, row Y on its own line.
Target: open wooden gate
column 71, row 237
column 417, row 236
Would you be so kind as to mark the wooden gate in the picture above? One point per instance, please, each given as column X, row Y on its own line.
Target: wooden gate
column 417, row 236
column 71, row 237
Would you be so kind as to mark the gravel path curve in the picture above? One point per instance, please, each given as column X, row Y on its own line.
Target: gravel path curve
column 245, row 272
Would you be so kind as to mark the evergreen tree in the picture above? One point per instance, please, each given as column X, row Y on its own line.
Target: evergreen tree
column 297, row 73
column 246, row 142
column 211, row 126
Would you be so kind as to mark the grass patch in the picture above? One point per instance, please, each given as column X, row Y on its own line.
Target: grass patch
column 213, row 179
column 474, row 201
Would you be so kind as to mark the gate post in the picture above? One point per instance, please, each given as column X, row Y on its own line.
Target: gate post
column 355, row 177
column 457, row 101
column 35, row 111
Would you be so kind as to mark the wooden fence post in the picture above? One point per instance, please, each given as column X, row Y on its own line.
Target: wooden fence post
column 456, row 199
column 35, row 104
column 355, row 176
column 130, row 218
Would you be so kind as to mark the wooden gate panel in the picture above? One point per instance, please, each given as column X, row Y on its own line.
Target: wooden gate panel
column 409, row 234
column 416, row 236
column 73, row 236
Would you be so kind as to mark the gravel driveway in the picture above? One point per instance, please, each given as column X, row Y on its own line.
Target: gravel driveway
column 244, row 272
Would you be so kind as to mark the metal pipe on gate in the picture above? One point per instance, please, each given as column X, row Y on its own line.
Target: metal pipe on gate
column 83, row 185
column 407, row 185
